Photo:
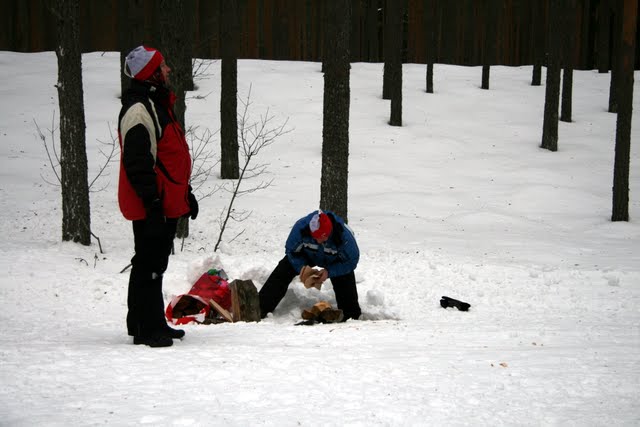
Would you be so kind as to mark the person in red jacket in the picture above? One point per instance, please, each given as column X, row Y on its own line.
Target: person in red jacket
column 153, row 189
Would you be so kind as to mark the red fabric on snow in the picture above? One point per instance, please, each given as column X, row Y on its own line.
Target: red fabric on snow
column 194, row 306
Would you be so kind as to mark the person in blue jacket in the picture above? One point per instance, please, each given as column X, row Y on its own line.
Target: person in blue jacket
column 320, row 239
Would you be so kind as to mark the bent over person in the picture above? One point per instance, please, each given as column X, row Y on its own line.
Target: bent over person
column 319, row 239
column 153, row 189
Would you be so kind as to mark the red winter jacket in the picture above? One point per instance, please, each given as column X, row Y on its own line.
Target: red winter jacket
column 154, row 162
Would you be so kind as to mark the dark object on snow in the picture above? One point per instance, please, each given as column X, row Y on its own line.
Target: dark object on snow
column 447, row 302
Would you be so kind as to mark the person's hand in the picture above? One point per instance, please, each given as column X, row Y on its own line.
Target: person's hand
column 309, row 277
column 193, row 205
column 306, row 272
column 323, row 275
column 155, row 223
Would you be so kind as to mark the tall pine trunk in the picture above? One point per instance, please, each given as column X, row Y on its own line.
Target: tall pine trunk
column 616, row 7
column 76, row 216
column 336, row 104
column 490, row 41
column 537, row 39
column 603, row 35
column 620, row 210
column 568, row 57
column 387, row 48
column 130, row 33
column 395, row 13
column 567, row 94
column 552, row 93
column 430, row 23
column 229, row 162
column 173, row 39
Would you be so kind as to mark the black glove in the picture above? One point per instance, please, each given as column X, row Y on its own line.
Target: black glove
column 155, row 225
column 193, row 205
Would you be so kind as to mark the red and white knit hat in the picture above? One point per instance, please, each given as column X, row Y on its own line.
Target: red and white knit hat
column 142, row 62
column 320, row 226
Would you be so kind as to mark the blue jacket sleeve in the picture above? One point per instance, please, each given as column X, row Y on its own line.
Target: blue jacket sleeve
column 348, row 255
column 292, row 247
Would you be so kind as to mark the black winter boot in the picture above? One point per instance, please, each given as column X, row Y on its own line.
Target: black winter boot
column 176, row 334
column 158, row 339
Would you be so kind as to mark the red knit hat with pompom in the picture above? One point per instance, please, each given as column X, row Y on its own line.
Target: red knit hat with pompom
column 142, row 62
column 320, row 226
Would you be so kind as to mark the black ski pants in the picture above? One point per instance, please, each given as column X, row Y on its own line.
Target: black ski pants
column 145, row 302
column 275, row 288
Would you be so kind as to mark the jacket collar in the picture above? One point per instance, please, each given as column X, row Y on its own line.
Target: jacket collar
column 160, row 94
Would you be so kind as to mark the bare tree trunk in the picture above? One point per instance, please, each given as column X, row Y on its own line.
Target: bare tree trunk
column 568, row 56
column 603, row 37
column 335, row 123
column 395, row 13
column 186, row 53
column 552, row 93
column 486, row 70
column 430, row 10
column 372, row 31
column 130, row 33
column 76, row 216
column 173, row 39
column 491, row 38
column 616, row 6
column 620, row 210
column 567, row 94
column 387, row 48
column 538, row 45
column 536, row 75
column 229, row 162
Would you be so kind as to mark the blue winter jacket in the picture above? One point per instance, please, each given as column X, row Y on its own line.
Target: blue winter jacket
column 339, row 255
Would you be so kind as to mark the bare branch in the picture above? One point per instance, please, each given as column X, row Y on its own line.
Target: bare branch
column 108, row 156
column 200, row 68
column 254, row 136
column 46, row 148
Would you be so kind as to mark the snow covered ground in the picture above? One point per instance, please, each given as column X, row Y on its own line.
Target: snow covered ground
column 460, row 201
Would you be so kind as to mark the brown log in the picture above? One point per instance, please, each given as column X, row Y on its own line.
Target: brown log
column 221, row 311
column 245, row 305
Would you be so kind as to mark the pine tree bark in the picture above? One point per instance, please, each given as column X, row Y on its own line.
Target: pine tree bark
column 603, row 38
column 537, row 38
column 173, row 39
column 187, row 52
column 336, row 104
column 395, row 12
column 130, row 33
column 76, row 216
column 430, row 23
column 387, row 48
column 620, row 210
column 552, row 93
column 567, row 95
column 373, row 25
column 568, row 57
column 229, row 162
column 486, row 71
column 617, row 22
column 491, row 38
